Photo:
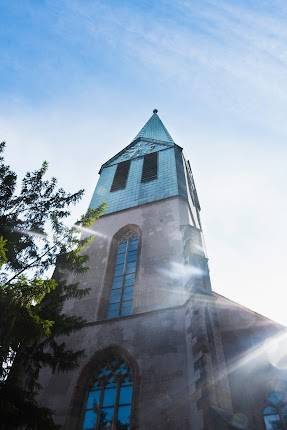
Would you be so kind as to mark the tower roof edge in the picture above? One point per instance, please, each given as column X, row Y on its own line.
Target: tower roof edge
column 153, row 131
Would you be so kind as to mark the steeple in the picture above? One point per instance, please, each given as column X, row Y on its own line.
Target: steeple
column 152, row 135
column 162, row 351
column 155, row 130
column 151, row 168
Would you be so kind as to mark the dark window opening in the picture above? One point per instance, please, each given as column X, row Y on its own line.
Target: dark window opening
column 121, row 176
column 149, row 167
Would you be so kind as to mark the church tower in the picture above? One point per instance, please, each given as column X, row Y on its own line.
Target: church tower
column 155, row 356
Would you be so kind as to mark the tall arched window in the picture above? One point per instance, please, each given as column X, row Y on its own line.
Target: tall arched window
column 109, row 402
column 124, row 276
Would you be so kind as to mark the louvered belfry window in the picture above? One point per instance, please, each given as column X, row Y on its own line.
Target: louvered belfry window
column 121, row 176
column 149, row 167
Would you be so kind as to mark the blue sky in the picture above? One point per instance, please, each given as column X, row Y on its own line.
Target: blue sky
column 78, row 79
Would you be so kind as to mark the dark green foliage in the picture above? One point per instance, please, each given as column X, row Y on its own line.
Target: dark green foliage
column 33, row 239
column 17, row 408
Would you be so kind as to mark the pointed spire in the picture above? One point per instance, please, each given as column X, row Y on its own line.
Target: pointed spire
column 155, row 130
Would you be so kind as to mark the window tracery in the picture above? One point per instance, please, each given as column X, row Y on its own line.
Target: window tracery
column 109, row 402
column 275, row 414
column 124, row 276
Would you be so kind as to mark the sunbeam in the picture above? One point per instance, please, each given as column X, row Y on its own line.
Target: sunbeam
column 271, row 345
column 178, row 271
column 31, row 233
column 89, row 231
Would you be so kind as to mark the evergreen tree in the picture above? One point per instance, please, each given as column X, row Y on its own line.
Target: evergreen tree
column 33, row 240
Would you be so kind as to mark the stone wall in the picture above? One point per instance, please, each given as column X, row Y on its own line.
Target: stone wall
column 155, row 344
column 162, row 273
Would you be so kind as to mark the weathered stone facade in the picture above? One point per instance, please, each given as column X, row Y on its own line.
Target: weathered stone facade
column 197, row 359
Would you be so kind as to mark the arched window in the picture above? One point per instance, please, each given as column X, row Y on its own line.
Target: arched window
column 121, row 295
column 275, row 414
column 272, row 419
column 109, row 402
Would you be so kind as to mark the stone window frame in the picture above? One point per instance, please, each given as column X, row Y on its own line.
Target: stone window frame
column 85, row 381
column 105, row 398
column 123, row 233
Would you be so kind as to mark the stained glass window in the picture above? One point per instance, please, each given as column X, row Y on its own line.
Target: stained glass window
column 109, row 401
column 275, row 414
column 121, row 295
column 272, row 420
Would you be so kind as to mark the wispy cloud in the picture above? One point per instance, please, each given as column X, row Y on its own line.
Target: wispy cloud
column 216, row 69
column 216, row 51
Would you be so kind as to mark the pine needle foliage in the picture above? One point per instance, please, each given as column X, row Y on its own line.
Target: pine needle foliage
column 34, row 240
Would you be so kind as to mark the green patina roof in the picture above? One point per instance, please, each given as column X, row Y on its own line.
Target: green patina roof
column 155, row 130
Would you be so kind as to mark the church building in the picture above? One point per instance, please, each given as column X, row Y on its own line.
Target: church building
column 162, row 350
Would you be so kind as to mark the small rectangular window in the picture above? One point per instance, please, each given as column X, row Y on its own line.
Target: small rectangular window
column 149, row 167
column 121, row 176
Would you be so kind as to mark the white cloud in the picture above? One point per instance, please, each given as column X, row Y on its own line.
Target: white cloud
column 217, row 71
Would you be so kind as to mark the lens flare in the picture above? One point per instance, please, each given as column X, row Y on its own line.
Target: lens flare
column 89, row 231
column 178, row 271
column 276, row 350
column 270, row 349
column 31, row 233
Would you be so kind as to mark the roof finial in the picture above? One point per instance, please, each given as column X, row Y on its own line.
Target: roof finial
column 155, row 111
